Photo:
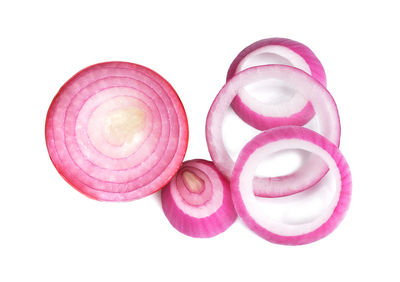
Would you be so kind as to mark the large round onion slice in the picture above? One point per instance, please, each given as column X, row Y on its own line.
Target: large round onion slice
column 326, row 115
column 295, row 110
column 198, row 201
column 117, row 131
column 250, row 210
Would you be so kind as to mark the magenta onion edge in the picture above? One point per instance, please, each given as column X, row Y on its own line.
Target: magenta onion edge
column 216, row 157
column 290, row 132
column 108, row 195
column 258, row 120
column 207, row 227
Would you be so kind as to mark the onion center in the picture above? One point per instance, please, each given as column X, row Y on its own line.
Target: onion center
column 192, row 182
column 122, row 125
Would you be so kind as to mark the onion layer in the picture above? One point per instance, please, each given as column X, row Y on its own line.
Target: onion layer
column 274, row 140
column 117, row 131
column 297, row 111
column 197, row 201
column 326, row 113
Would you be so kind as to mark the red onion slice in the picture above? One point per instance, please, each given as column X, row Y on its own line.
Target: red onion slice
column 197, row 201
column 250, row 211
column 295, row 111
column 117, row 131
column 326, row 114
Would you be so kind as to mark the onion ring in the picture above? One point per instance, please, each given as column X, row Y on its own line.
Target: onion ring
column 244, row 199
column 298, row 111
column 326, row 113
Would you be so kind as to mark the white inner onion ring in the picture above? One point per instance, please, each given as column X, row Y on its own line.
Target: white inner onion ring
column 326, row 113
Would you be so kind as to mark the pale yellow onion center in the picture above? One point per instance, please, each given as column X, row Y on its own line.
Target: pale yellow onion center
column 121, row 126
column 193, row 183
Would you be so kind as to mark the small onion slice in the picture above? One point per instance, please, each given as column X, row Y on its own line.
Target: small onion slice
column 326, row 113
column 117, row 131
column 281, row 138
column 197, row 201
column 296, row 111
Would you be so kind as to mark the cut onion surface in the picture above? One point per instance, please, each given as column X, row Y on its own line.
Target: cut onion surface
column 327, row 118
column 117, row 131
column 284, row 107
column 271, row 229
column 197, row 201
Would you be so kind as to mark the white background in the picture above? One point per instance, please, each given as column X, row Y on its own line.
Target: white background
column 50, row 232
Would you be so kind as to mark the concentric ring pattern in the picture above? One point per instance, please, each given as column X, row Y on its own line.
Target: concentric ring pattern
column 197, row 201
column 117, row 131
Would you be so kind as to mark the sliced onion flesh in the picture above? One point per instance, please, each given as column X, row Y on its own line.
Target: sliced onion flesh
column 117, row 131
column 250, row 211
column 197, row 201
column 296, row 110
column 326, row 115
